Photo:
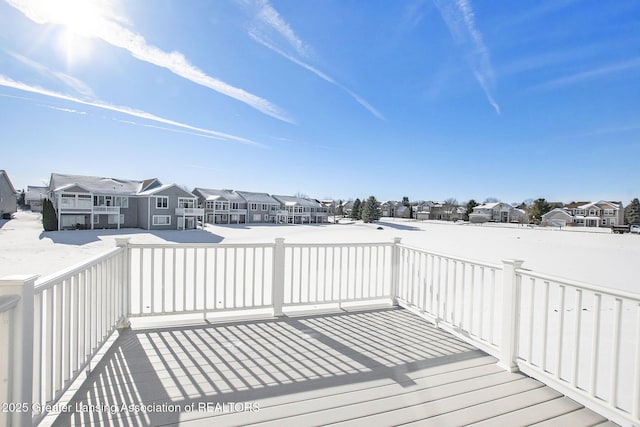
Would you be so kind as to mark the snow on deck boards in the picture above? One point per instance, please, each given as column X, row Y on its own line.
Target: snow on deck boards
column 378, row 367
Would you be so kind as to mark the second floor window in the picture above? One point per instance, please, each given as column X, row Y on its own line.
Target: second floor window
column 162, row 202
column 186, row 203
column 254, row 206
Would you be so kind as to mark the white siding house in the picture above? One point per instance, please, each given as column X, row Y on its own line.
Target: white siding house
column 8, row 195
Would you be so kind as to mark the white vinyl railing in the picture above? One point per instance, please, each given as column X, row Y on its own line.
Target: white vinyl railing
column 457, row 294
column 581, row 339
column 199, row 278
column 8, row 306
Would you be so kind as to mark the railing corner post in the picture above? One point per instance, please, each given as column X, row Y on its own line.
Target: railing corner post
column 510, row 315
column 20, row 351
column 277, row 293
column 395, row 270
column 125, row 279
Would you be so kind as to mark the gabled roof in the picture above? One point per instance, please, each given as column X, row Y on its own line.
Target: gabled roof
column 211, row 194
column 4, row 174
column 98, row 185
column 252, row 197
column 293, row 201
column 161, row 188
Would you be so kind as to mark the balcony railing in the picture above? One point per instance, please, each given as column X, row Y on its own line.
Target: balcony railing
column 111, row 210
column 580, row 339
column 190, row 211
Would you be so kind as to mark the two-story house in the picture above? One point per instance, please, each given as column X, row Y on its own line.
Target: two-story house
column 34, row 197
column 596, row 214
column 88, row 202
column 297, row 210
column 222, row 206
column 261, row 207
column 494, row 212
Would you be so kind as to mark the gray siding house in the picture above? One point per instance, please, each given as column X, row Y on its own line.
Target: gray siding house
column 261, row 207
column 87, row 202
column 8, row 195
column 296, row 210
column 222, row 206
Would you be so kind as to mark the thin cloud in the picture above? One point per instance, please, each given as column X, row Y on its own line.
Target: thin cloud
column 268, row 20
column 256, row 37
column 66, row 110
column 115, row 34
column 588, row 75
column 460, row 20
column 75, row 84
column 10, row 83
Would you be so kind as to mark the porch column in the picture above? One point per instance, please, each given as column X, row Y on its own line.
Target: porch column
column 123, row 242
column 510, row 315
column 17, row 346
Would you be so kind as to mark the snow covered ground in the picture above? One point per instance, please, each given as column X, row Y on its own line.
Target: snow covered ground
column 594, row 256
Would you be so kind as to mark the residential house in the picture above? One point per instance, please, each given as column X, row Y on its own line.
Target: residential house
column 222, row 206
column 261, row 207
column 443, row 211
column 296, row 210
column 558, row 217
column 8, row 195
column 599, row 214
column 34, row 197
column 422, row 210
column 388, row 208
column 83, row 202
column 495, row 212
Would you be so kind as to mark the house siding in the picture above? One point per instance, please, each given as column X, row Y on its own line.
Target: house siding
column 8, row 201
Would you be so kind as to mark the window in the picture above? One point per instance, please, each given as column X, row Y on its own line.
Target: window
column 184, row 202
column 592, row 212
column 96, row 219
column 162, row 202
column 608, row 212
column 254, row 206
column 266, row 217
column 161, row 220
column 234, row 205
column 265, row 207
column 209, row 205
column 123, row 202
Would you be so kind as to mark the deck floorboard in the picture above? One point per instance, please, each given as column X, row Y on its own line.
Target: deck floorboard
column 377, row 367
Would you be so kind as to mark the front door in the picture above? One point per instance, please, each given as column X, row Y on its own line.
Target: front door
column 186, row 223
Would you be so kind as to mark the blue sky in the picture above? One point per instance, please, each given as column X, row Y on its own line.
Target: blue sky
column 429, row 99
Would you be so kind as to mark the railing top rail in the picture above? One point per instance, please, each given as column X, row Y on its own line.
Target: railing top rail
column 580, row 285
column 455, row 258
column 7, row 302
column 305, row 245
column 48, row 281
column 198, row 245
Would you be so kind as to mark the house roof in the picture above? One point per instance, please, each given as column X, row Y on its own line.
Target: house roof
column 96, row 184
column 252, row 197
column 156, row 190
column 293, row 201
column 211, row 194
column 4, row 174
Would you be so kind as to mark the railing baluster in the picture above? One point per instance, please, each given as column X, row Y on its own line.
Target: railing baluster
column 576, row 339
column 635, row 397
column 593, row 383
column 462, row 294
column 545, row 325
column 615, row 356
column 163, row 281
column 152, row 273
column 492, row 306
column 560, row 333
column 531, row 313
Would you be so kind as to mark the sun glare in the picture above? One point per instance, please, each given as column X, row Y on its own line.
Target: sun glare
column 82, row 20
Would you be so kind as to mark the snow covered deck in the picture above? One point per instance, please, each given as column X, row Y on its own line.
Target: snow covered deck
column 376, row 367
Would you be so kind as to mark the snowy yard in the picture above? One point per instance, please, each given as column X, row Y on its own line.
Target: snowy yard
column 593, row 256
